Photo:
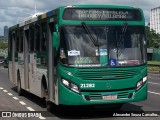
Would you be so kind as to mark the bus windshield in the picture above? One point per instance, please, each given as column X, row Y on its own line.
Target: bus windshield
column 115, row 48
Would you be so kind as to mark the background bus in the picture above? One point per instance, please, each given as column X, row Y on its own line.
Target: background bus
column 81, row 55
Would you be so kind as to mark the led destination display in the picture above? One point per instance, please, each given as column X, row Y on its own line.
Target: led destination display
column 102, row 14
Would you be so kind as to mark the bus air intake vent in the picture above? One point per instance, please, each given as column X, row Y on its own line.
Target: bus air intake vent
column 106, row 74
column 123, row 95
column 95, row 96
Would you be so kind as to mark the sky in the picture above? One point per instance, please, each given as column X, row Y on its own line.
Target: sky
column 13, row 11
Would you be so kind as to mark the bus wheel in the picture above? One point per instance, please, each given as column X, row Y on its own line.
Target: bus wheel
column 19, row 89
column 119, row 106
column 49, row 106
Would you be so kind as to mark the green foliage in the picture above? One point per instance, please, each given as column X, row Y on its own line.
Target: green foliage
column 3, row 45
column 154, row 62
column 153, row 38
column 153, row 66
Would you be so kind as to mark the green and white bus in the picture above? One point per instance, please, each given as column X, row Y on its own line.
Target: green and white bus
column 81, row 55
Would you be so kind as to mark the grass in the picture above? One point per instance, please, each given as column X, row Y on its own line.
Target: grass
column 153, row 68
column 154, row 62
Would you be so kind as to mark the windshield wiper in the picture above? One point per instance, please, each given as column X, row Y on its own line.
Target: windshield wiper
column 94, row 41
column 119, row 42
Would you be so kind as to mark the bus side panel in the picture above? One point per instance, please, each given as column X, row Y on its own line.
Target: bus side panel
column 16, row 69
column 32, row 74
column 13, row 58
column 10, row 71
column 40, row 72
column 13, row 64
column 35, row 76
column 21, row 69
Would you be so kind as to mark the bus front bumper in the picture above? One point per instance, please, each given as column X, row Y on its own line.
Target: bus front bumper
column 68, row 97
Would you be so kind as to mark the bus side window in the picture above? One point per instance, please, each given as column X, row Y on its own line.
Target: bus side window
column 21, row 40
column 15, row 39
column 31, row 38
column 43, row 36
column 17, row 42
column 51, row 30
column 37, row 37
column 10, row 43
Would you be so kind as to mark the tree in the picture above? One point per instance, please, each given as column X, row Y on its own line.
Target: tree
column 153, row 38
column 3, row 45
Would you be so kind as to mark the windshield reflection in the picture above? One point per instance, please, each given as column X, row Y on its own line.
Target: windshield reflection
column 78, row 50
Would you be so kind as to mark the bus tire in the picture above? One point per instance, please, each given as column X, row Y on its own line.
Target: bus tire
column 19, row 89
column 49, row 106
column 45, row 94
column 44, row 87
column 119, row 106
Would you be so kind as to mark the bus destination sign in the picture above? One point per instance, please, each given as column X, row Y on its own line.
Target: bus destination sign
column 102, row 14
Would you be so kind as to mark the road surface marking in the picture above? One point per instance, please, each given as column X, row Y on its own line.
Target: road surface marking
column 10, row 94
column 23, row 103
column 30, row 109
column 154, row 83
column 15, row 98
column 154, row 93
column 5, row 91
column 42, row 118
column 1, row 88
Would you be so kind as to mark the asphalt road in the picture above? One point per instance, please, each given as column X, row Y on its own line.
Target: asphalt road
column 10, row 101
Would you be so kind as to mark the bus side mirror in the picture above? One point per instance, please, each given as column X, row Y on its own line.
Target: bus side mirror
column 55, row 41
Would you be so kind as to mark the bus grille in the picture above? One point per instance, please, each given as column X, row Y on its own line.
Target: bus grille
column 123, row 95
column 120, row 95
column 106, row 74
column 95, row 96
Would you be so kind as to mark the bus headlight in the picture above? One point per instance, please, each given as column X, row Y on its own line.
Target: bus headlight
column 141, row 83
column 144, row 79
column 70, row 85
column 65, row 82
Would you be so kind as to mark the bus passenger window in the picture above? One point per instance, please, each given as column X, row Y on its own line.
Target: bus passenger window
column 10, row 43
column 31, row 39
column 14, row 40
column 43, row 42
column 37, row 36
column 43, row 36
column 17, row 41
column 21, row 41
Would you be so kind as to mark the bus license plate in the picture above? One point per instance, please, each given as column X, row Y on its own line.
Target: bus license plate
column 110, row 97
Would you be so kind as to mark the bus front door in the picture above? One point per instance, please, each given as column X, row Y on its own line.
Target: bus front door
column 51, row 66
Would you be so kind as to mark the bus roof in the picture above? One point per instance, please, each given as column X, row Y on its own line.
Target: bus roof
column 99, row 6
column 39, row 16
